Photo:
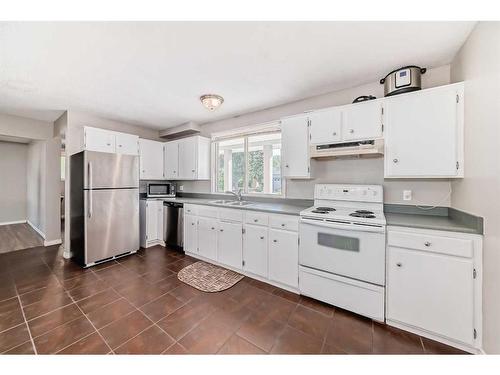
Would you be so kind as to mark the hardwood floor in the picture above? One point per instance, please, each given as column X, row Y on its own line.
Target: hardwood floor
column 18, row 236
column 136, row 305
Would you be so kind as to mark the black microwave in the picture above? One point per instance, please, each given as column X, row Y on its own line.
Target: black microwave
column 163, row 190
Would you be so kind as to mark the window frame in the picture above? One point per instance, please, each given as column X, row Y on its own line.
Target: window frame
column 215, row 168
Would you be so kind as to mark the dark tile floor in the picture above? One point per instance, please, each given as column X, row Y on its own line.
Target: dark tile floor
column 137, row 305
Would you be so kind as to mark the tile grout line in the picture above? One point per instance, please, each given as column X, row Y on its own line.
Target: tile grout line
column 26, row 322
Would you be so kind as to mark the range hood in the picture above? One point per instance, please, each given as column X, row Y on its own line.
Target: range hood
column 367, row 148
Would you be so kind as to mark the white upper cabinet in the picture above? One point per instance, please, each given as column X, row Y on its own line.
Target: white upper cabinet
column 172, row 160
column 188, row 159
column 325, row 126
column 100, row 140
column 362, row 121
column 127, row 144
column 295, row 147
column 151, row 160
column 424, row 133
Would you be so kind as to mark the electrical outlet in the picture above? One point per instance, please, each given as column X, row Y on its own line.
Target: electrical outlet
column 181, row 187
column 407, row 195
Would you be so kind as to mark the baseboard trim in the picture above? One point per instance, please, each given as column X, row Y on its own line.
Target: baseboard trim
column 36, row 229
column 52, row 242
column 13, row 222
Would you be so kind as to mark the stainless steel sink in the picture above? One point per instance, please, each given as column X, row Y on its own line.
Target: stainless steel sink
column 222, row 201
column 240, row 203
column 231, row 202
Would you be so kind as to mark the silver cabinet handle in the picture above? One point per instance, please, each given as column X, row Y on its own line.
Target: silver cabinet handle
column 222, row 230
column 255, row 220
column 427, row 243
column 192, row 223
column 213, row 228
column 108, row 144
column 395, row 160
column 192, row 170
column 282, row 225
column 286, row 166
column 261, row 237
column 334, row 133
column 351, row 131
column 275, row 240
column 399, row 264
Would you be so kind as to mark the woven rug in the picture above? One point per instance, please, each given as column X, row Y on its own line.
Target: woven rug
column 208, row 277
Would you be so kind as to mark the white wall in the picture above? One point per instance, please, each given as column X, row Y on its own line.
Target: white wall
column 16, row 126
column 370, row 171
column 13, row 161
column 36, row 175
column 478, row 64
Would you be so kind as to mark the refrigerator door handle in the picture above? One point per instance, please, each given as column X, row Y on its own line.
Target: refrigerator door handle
column 90, row 189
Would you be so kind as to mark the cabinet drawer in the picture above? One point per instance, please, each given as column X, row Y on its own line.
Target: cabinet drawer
column 190, row 209
column 437, row 244
column 231, row 214
column 256, row 218
column 207, row 211
column 285, row 222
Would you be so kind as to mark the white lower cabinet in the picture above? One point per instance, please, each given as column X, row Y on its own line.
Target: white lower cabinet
column 255, row 248
column 230, row 244
column 284, row 257
column 433, row 284
column 190, row 233
column 207, row 237
column 261, row 245
column 151, row 222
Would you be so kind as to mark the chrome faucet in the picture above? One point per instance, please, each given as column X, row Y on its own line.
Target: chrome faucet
column 237, row 195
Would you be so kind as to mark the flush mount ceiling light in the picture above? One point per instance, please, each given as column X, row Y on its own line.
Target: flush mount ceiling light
column 211, row 101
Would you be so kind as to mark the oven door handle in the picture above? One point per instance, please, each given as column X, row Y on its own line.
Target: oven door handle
column 337, row 225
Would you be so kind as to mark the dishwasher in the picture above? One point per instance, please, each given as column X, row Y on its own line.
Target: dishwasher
column 173, row 225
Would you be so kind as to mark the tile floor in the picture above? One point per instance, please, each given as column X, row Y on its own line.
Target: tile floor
column 137, row 305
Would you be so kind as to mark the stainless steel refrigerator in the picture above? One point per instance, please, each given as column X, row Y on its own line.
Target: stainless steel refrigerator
column 104, row 205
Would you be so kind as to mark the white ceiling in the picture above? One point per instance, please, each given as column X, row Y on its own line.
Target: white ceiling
column 152, row 73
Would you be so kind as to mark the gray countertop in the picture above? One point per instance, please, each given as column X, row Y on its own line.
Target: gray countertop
column 439, row 218
column 286, row 208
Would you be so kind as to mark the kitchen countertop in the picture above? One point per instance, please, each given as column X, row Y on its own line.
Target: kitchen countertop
column 288, row 207
column 440, row 218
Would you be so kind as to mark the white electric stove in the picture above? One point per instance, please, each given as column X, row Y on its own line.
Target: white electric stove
column 342, row 248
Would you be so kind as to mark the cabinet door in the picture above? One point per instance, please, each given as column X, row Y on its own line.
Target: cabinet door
column 152, row 222
column 362, row 121
column 326, row 126
column 190, row 233
column 230, row 244
column 151, row 160
column 284, row 257
column 187, row 159
column 172, row 160
column 431, row 291
column 421, row 134
column 295, row 147
column 100, row 140
column 207, row 238
column 255, row 250
column 127, row 144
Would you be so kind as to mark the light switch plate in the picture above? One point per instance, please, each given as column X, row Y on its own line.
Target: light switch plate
column 181, row 187
column 407, row 195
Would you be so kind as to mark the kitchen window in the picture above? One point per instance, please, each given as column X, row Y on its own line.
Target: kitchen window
column 250, row 162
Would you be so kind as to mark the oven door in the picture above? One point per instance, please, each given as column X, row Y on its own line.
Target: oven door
column 338, row 248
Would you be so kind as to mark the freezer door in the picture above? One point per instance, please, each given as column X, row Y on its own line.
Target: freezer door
column 105, row 170
column 111, row 222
